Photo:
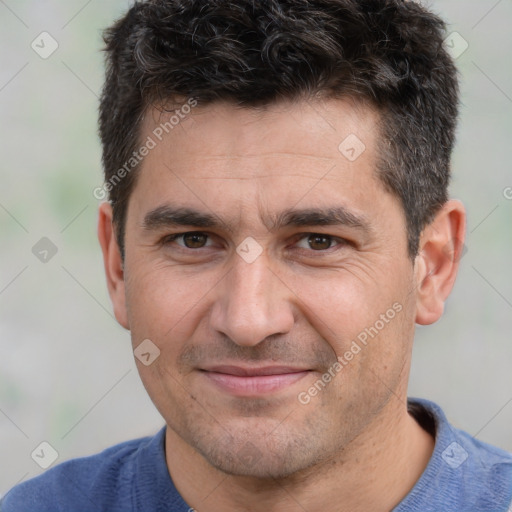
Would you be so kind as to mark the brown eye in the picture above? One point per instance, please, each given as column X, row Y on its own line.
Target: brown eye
column 319, row 242
column 189, row 240
column 194, row 240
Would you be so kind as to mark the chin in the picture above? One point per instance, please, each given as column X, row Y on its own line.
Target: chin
column 260, row 456
column 264, row 467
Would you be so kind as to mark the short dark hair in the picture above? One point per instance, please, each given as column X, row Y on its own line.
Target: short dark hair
column 388, row 53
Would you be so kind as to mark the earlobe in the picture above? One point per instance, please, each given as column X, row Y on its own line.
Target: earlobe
column 113, row 263
column 436, row 266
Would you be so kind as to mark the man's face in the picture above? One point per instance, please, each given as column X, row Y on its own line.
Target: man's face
column 282, row 336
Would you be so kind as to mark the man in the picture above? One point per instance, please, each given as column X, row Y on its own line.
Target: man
column 278, row 223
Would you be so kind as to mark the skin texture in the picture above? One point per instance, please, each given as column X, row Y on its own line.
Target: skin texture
column 301, row 303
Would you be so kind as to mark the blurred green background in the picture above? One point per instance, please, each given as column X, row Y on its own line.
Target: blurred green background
column 66, row 369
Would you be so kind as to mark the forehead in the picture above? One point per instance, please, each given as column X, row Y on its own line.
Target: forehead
column 317, row 153
column 225, row 140
column 307, row 128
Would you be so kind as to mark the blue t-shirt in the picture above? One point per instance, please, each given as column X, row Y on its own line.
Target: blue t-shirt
column 463, row 475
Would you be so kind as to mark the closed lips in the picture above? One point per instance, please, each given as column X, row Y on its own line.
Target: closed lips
column 254, row 372
column 251, row 382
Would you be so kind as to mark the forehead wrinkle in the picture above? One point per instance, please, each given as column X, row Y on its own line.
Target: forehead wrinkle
column 250, row 177
column 192, row 170
column 287, row 154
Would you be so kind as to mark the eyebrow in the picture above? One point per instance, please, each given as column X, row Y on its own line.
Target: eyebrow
column 167, row 216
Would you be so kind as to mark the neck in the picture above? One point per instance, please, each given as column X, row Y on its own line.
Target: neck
column 373, row 472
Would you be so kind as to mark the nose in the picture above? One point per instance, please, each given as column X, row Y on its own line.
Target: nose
column 252, row 303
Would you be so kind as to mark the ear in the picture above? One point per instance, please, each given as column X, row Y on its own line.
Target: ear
column 113, row 263
column 441, row 248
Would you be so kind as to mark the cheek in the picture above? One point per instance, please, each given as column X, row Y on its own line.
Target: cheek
column 362, row 319
column 163, row 304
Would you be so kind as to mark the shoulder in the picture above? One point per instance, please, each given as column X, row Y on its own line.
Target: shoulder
column 456, row 446
column 464, row 474
column 484, row 470
column 98, row 482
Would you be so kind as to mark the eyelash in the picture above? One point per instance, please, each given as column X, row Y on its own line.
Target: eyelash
column 166, row 240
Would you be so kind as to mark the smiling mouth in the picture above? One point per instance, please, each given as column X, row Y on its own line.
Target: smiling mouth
column 252, row 381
